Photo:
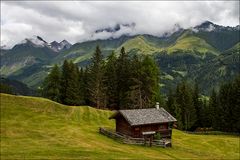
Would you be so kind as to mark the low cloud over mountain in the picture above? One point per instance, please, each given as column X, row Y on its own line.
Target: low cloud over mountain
column 79, row 21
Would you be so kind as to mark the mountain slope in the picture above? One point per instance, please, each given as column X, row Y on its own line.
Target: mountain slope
column 219, row 37
column 57, row 47
column 188, row 42
column 17, row 87
column 27, row 61
column 179, row 53
column 24, row 55
column 81, row 52
column 139, row 45
column 37, row 128
column 221, row 69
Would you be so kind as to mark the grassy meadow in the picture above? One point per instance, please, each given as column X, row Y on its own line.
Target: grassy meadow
column 37, row 128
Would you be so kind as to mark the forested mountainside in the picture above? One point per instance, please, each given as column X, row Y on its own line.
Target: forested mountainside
column 207, row 53
column 15, row 87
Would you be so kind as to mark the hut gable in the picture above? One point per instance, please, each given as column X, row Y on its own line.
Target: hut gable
column 137, row 117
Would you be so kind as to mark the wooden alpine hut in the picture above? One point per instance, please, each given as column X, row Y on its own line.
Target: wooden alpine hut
column 141, row 123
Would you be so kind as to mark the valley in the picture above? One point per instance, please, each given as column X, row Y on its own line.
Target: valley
column 183, row 54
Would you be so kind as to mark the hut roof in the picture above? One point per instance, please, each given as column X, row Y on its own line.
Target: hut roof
column 145, row 116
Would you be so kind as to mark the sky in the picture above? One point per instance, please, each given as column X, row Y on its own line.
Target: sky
column 77, row 21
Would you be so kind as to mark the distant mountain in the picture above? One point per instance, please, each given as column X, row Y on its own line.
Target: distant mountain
column 39, row 42
column 28, row 57
column 35, row 41
column 180, row 54
column 209, row 27
column 57, row 47
column 24, row 55
column 220, row 37
column 82, row 52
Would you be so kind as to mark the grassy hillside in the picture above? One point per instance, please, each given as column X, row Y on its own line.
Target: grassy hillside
column 140, row 45
column 188, row 42
column 37, row 128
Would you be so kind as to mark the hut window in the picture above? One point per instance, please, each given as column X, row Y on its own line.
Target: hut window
column 136, row 129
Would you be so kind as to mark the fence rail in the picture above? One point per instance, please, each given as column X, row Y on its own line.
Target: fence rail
column 131, row 140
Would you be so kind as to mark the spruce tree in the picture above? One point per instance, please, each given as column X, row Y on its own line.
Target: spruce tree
column 64, row 81
column 86, row 80
column 82, row 86
column 69, row 84
column 135, row 84
column 197, row 105
column 185, row 102
column 150, row 81
column 95, row 84
column 206, row 114
column 223, row 107
column 213, row 109
column 171, row 103
column 111, row 81
column 235, row 102
column 123, row 76
column 178, row 115
column 4, row 88
column 51, row 85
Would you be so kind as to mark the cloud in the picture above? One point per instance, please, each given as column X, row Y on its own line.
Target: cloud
column 77, row 21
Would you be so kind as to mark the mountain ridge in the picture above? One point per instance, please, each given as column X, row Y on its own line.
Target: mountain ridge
column 182, row 51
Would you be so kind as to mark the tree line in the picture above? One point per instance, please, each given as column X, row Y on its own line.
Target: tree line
column 221, row 112
column 117, row 82
column 132, row 81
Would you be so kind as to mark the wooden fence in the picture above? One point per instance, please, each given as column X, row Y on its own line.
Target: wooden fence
column 130, row 140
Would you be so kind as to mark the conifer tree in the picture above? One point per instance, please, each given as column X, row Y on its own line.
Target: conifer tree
column 64, row 81
column 135, row 83
column 4, row 88
column 123, row 76
column 95, row 84
column 185, row 103
column 206, row 114
column 171, row 103
column 51, row 85
column 111, row 81
column 150, row 81
column 178, row 114
column 197, row 105
column 235, row 102
column 82, row 86
column 69, row 84
column 213, row 107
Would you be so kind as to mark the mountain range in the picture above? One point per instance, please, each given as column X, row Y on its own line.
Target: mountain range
column 207, row 53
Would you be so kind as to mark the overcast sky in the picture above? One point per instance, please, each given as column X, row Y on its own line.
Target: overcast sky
column 77, row 21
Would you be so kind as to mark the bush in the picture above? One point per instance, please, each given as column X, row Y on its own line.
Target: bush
column 157, row 136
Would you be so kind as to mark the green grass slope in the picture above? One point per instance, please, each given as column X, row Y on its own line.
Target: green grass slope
column 189, row 42
column 139, row 45
column 37, row 128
